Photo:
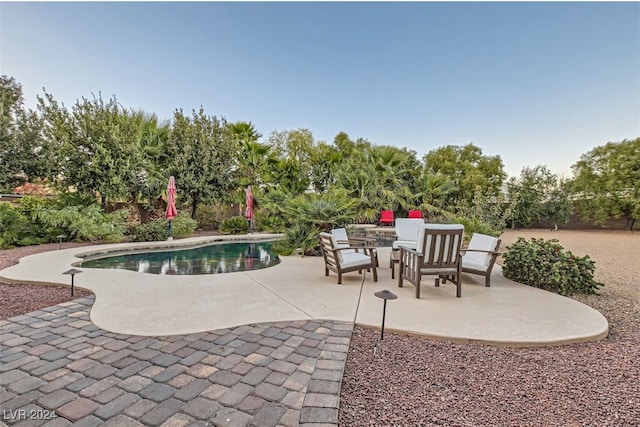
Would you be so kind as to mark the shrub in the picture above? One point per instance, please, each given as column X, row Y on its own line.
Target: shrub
column 151, row 231
column 209, row 217
column 325, row 211
column 545, row 265
column 183, row 226
column 158, row 230
column 14, row 227
column 234, row 225
column 47, row 219
column 300, row 236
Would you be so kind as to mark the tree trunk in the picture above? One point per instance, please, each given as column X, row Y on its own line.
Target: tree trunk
column 194, row 207
column 142, row 211
column 630, row 223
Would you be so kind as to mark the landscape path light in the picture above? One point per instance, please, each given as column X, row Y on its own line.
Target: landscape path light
column 72, row 272
column 60, row 238
column 384, row 295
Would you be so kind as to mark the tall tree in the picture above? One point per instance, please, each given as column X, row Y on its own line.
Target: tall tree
column 536, row 195
column 204, row 157
column 256, row 161
column 95, row 145
column 607, row 182
column 22, row 156
column 379, row 177
column 293, row 171
column 324, row 159
column 150, row 160
column 468, row 168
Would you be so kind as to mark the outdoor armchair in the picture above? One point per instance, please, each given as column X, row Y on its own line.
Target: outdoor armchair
column 415, row 213
column 438, row 254
column 346, row 259
column 480, row 256
column 352, row 244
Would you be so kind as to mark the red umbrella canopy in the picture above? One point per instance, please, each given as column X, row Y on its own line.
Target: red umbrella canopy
column 172, row 212
column 248, row 213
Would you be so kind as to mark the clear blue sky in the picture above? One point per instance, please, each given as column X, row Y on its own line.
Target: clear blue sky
column 536, row 83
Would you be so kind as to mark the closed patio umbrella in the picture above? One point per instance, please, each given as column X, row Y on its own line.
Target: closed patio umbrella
column 248, row 212
column 171, row 212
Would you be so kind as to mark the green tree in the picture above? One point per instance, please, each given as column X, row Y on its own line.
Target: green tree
column 150, row 160
column 536, row 195
column 324, row 160
column 379, row 177
column 469, row 169
column 607, row 182
column 95, row 145
column 434, row 190
column 204, row 162
column 293, row 170
column 22, row 156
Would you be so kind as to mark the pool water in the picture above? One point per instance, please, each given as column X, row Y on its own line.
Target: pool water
column 212, row 259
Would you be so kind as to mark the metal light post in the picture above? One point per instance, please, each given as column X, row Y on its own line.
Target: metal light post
column 72, row 272
column 60, row 238
column 384, row 295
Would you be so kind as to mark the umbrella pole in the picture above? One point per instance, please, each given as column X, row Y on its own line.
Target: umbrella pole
column 170, row 236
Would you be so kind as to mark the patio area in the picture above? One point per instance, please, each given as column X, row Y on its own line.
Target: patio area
column 133, row 303
column 265, row 347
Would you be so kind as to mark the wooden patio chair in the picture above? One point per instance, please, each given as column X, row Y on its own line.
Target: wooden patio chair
column 346, row 258
column 438, row 254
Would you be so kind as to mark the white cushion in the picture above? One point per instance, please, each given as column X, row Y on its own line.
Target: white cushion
column 472, row 265
column 354, row 260
column 340, row 235
column 480, row 242
column 407, row 229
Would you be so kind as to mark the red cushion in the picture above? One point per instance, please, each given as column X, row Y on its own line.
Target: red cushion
column 415, row 214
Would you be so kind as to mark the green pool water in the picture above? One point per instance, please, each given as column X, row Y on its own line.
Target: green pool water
column 212, row 259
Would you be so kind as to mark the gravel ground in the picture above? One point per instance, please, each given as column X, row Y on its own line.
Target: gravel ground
column 21, row 299
column 412, row 381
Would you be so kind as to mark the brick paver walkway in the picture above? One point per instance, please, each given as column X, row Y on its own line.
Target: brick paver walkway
column 57, row 368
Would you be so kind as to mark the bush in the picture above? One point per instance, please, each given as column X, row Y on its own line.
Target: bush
column 14, row 227
column 300, row 236
column 209, row 217
column 234, row 225
column 40, row 221
column 183, row 226
column 158, row 230
column 544, row 264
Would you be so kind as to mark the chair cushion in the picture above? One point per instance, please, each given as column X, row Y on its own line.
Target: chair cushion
column 407, row 229
column 473, row 265
column 340, row 235
column 354, row 260
column 480, row 242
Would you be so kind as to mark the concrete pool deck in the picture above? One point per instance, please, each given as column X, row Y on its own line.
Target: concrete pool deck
column 134, row 303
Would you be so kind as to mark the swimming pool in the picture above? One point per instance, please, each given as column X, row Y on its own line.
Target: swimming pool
column 212, row 259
